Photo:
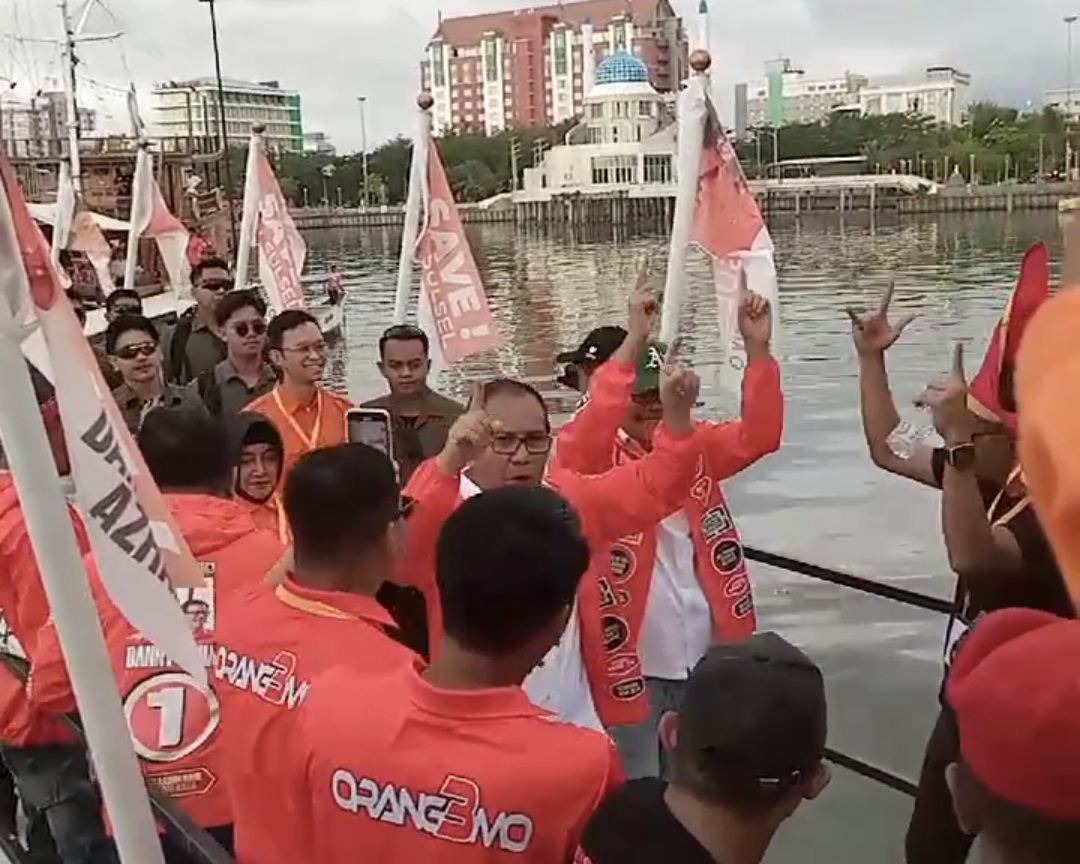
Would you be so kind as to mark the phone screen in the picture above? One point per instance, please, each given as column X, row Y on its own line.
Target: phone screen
column 371, row 428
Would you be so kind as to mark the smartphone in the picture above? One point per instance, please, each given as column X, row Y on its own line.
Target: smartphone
column 371, row 426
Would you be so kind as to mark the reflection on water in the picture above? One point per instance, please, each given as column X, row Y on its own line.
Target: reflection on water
column 819, row 498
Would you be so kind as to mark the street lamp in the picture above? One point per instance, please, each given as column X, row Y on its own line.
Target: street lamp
column 327, row 172
column 223, row 132
column 363, row 145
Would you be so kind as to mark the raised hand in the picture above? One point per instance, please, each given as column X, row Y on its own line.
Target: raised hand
column 469, row 436
column 755, row 323
column 644, row 307
column 947, row 401
column 679, row 388
column 872, row 331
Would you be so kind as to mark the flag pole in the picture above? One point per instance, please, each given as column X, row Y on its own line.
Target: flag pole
column 143, row 164
column 249, row 213
column 71, row 605
column 412, row 208
column 691, row 137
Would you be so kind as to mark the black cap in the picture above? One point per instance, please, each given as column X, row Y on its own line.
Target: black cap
column 754, row 714
column 596, row 348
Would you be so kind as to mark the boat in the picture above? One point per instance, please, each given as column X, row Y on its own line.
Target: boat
column 331, row 318
column 1068, row 205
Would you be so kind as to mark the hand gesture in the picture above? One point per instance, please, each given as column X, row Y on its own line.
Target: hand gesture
column 947, row 401
column 755, row 323
column 469, row 436
column 644, row 307
column 872, row 331
column 679, row 388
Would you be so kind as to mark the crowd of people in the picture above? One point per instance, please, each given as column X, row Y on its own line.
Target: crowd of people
column 522, row 643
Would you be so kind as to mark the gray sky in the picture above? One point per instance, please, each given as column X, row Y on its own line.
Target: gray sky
column 334, row 50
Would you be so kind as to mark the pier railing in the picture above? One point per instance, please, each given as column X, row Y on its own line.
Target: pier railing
column 206, row 850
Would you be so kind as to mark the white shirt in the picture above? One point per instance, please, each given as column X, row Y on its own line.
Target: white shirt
column 559, row 683
column 678, row 625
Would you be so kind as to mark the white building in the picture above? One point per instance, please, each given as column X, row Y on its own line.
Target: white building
column 318, row 142
column 38, row 126
column 624, row 143
column 1065, row 101
column 788, row 95
column 189, row 109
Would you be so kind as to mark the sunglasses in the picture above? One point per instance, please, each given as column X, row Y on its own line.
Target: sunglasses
column 535, row 443
column 219, row 286
column 242, row 328
column 127, row 309
column 130, row 352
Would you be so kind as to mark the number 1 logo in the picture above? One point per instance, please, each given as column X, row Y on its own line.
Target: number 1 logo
column 169, row 717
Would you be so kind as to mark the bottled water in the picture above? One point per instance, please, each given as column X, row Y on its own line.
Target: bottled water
column 908, row 435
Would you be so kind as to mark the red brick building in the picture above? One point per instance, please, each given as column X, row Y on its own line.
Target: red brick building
column 531, row 67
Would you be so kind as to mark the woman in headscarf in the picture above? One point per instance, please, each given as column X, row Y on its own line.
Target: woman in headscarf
column 259, row 454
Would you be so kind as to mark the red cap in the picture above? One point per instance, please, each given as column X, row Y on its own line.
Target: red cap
column 1032, row 289
column 1015, row 687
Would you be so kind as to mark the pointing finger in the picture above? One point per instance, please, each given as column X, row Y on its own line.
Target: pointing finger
column 854, row 316
column 958, row 360
column 642, row 281
column 886, row 298
column 902, row 324
column 476, row 398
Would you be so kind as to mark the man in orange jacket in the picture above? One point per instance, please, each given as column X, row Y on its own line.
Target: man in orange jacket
column 49, row 765
column 590, row 678
column 345, row 513
column 452, row 764
column 685, row 578
column 174, row 725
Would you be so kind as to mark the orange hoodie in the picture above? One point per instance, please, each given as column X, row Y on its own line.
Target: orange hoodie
column 1047, row 379
column 26, row 610
column 174, row 725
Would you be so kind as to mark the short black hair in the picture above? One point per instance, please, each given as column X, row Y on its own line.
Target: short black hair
column 340, row 500
column 234, row 301
column 211, row 263
column 1019, row 830
column 186, row 450
column 403, row 333
column 285, row 321
column 122, row 294
column 126, row 324
column 513, row 387
column 507, row 562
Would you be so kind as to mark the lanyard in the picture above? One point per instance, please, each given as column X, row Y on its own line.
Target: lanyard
column 315, row 607
column 282, row 522
column 1017, row 508
column 312, row 440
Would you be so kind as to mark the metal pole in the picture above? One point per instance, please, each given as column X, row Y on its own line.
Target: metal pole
column 223, row 131
column 1069, row 21
column 74, row 130
column 363, row 146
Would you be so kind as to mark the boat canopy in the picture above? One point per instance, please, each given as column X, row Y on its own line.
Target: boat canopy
column 46, row 214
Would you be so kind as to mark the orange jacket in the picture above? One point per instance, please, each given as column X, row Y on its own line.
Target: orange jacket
column 626, row 500
column 174, row 725
column 391, row 769
column 592, row 442
column 1047, row 379
column 264, row 661
column 26, row 610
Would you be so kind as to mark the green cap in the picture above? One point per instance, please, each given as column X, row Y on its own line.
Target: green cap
column 649, row 366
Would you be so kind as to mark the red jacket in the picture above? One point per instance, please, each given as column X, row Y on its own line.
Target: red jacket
column 629, row 499
column 592, row 442
column 26, row 609
column 174, row 725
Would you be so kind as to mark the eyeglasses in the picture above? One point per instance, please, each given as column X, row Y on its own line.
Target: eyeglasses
column 242, row 328
column 127, row 309
column 130, row 352
column 219, row 286
column 318, row 349
column 507, row 444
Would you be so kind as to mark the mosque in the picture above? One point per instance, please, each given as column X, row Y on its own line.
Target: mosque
column 623, row 146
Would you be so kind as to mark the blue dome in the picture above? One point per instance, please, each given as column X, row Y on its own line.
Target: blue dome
column 621, row 68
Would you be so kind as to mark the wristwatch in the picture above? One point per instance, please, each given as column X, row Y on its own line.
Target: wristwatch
column 961, row 457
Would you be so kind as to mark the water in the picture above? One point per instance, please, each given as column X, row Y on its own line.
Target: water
column 819, row 499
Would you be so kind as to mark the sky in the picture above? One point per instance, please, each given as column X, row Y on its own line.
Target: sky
column 333, row 51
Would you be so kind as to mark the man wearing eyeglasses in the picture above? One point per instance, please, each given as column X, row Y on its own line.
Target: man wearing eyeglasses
column 197, row 343
column 244, row 374
column 422, row 418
